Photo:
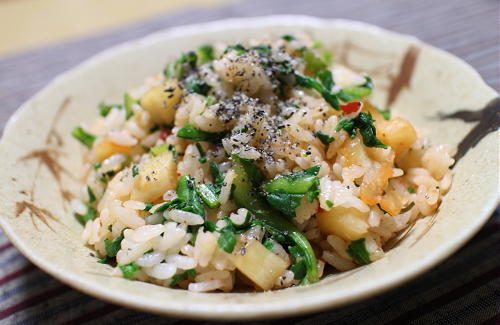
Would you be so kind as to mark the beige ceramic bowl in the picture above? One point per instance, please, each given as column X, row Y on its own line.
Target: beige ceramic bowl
column 40, row 160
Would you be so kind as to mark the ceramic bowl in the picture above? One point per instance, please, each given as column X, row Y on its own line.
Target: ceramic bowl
column 443, row 97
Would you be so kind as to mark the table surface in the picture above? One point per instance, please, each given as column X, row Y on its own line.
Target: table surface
column 464, row 289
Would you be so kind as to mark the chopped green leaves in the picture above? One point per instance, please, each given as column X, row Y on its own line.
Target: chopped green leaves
column 128, row 103
column 197, row 85
column 135, row 170
column 155, row 151
column 209, row 194
column 326, row 79
column 329, row 203
column 238, row 48
column 299, row 267
column 297, row 183
column 187, row 198
column 203, row 156
column 309, row 82
column 324, row 138
column 210, row 100
column 284, row 202
column 105, row 109
column 90, row 215
column 364, row 123
column 284, row 192
column 313, row 62
column 205, row 54
column 411, row 190
column 91, row 195
column 288, row 37
column 190, row 132
column 227, row 239
column 348, row 94
column 209, row 226
column 176, row 279
column 357, row 250
column 216, row 173
column 129, row 270
column 148, row 206
column 83, row 136
column 97, row 165
column 262, row 49
column 386, row 114
column 113, row 246
column 180, row 68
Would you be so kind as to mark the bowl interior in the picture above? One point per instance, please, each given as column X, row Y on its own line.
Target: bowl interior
column 41, row 162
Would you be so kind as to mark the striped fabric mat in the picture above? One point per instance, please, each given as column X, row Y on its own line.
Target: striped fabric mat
column 462, row 290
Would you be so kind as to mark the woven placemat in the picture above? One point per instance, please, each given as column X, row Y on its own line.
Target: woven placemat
column 464, row 289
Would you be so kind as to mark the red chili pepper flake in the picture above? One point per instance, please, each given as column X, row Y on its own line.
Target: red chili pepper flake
column 164, row 133
column 351, row 107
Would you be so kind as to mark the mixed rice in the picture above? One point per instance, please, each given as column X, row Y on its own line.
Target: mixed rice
column 258, row 165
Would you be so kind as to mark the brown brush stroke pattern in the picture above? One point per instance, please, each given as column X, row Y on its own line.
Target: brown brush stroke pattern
column 403, row 77
column 34, row 211
column 489, row 121
column 48, row 158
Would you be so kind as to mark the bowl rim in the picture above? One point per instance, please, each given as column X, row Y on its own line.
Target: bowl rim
column 246, row 311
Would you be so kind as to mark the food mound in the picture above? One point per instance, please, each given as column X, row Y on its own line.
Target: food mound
column 252, row 166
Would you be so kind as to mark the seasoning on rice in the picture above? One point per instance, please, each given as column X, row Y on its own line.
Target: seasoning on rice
column 254, row 164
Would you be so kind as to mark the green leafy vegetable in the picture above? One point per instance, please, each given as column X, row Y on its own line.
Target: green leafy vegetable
column 364, row 123
column 357, row 250
column 90, row 215
column 176, row 279
column 288, row 37
column 324, row 138
column 129, row 270
column 197, row 85
column 262, row 49
column 386, row 114
column 216, row 173
column 285, row 191
column 128, row 103
column 135, row 170
column 187, row 198
column 203, row 156
column 205, row 54
column 97, row 165
column 329, row 203
column 299, row 267
column 209, row 194
column 327, row 56
column 351, row 93
column 210, row 100
column 316, row 45
column 182, row 67
column 326, row 79
column 113, row 246
column 190, row 132
column 238, row 48
column 411, row 190
column 309, row 82
column 148, row 206
column 268, row 243
column 227, row 239
column 155, row 151
column 313, row 62
column 105, row 109
column 209, row 226
column 245, row 196
column 90, row 194
column 83, row 136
